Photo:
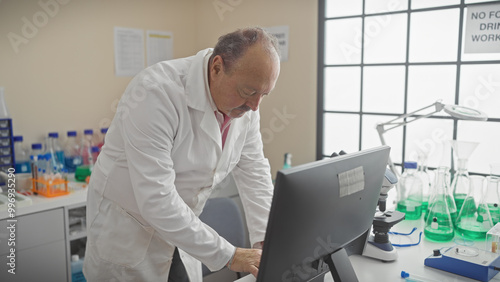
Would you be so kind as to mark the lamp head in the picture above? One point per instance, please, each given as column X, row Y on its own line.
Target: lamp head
column 464, row 113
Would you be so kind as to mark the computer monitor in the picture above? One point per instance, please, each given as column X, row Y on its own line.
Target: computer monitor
column 321, row 213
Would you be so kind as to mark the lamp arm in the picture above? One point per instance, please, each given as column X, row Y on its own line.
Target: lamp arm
column 400, row 121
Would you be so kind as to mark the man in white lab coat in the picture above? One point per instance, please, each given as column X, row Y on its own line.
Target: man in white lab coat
column 181, row 127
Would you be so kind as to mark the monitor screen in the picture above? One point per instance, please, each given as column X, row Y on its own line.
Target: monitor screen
column 321, row 208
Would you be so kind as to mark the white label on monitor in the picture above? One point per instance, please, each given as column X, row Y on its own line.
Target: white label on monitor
column 351, row 181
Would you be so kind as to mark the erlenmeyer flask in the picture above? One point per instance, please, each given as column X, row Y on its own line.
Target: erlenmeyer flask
column 474, row 219
column 492, row 198
column 460, row 184
column 439, row 223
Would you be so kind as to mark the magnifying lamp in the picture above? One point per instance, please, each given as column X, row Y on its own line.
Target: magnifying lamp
column 458, row 112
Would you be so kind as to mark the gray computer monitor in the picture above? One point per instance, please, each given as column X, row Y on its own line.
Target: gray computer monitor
column 321, row 213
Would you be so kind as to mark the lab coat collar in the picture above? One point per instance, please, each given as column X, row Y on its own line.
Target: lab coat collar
column 197, row 93
column 197, row 97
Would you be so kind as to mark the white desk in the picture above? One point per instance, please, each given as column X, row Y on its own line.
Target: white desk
column 411, row 260
column 40, row 203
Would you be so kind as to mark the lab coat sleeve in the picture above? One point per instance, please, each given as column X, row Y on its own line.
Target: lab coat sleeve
column 252, row 176
column 149, row 127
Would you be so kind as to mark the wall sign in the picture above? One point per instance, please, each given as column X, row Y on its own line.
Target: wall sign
column 482, row 29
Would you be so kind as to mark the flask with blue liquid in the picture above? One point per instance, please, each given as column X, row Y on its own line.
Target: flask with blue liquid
column 72, row 157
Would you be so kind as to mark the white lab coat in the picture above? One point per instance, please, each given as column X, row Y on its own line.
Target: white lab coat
column 160, row 162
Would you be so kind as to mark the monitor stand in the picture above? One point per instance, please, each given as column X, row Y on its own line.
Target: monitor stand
column 341, row 267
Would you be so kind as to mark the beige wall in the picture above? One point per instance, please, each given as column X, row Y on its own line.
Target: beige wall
column 63, row 78
column 295, row 93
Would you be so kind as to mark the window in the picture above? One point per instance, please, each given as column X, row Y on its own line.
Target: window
column 379, row 59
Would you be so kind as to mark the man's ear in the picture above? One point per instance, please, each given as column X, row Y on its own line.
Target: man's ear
column 217, row 65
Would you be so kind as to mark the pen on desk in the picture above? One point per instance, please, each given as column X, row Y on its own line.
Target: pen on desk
column 415, row 278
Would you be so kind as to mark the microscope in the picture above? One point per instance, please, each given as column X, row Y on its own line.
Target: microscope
column 378, row 245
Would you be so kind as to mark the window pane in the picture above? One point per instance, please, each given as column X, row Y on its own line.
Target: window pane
column 383, row 89
column 342, row 89
column 343, row 41
column 480, row 88
column 393, row 138
column 418, row 4
column 385, row 39
column 427, row 136
column 434, row 36
column 339, row 8
column 488, row 136
column 341, row 132
column 475, row 56
column 427, row 84
column 382, row 6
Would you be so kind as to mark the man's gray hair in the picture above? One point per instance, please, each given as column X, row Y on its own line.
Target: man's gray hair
column 233, row 46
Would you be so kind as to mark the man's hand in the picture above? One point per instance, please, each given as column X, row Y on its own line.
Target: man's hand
column 246, row 260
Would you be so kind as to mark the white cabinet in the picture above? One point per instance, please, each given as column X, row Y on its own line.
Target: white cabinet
column 40, row 247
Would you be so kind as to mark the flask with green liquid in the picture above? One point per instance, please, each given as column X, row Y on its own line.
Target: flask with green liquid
column 474, row 219
column 410, row 192
column 439, row 223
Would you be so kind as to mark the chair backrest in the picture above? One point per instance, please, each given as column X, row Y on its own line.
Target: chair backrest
column 224, row 216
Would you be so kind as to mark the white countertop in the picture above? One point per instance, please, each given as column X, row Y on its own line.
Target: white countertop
column 77, row 195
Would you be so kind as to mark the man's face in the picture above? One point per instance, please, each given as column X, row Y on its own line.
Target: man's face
column 253, row 76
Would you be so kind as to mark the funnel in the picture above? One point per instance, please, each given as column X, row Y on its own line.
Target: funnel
column 460, row 184
column 462, row 151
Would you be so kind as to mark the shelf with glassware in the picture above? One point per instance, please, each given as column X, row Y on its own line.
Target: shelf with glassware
column 75, row 218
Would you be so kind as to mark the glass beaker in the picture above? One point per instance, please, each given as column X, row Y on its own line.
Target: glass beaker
column 492, row 198
column 474, row 219
column 439, row 223
column 410, row 192
column 460, row 184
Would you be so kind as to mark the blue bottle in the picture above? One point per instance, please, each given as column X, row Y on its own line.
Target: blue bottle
column 56, row 151
column 76, row 269
column 21, row 155
column 72, row 153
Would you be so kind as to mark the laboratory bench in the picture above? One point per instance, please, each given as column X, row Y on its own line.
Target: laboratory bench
column 410, row 259
column 46, row 232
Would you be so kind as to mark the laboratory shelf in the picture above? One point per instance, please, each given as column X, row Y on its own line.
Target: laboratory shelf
column 77, row 235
